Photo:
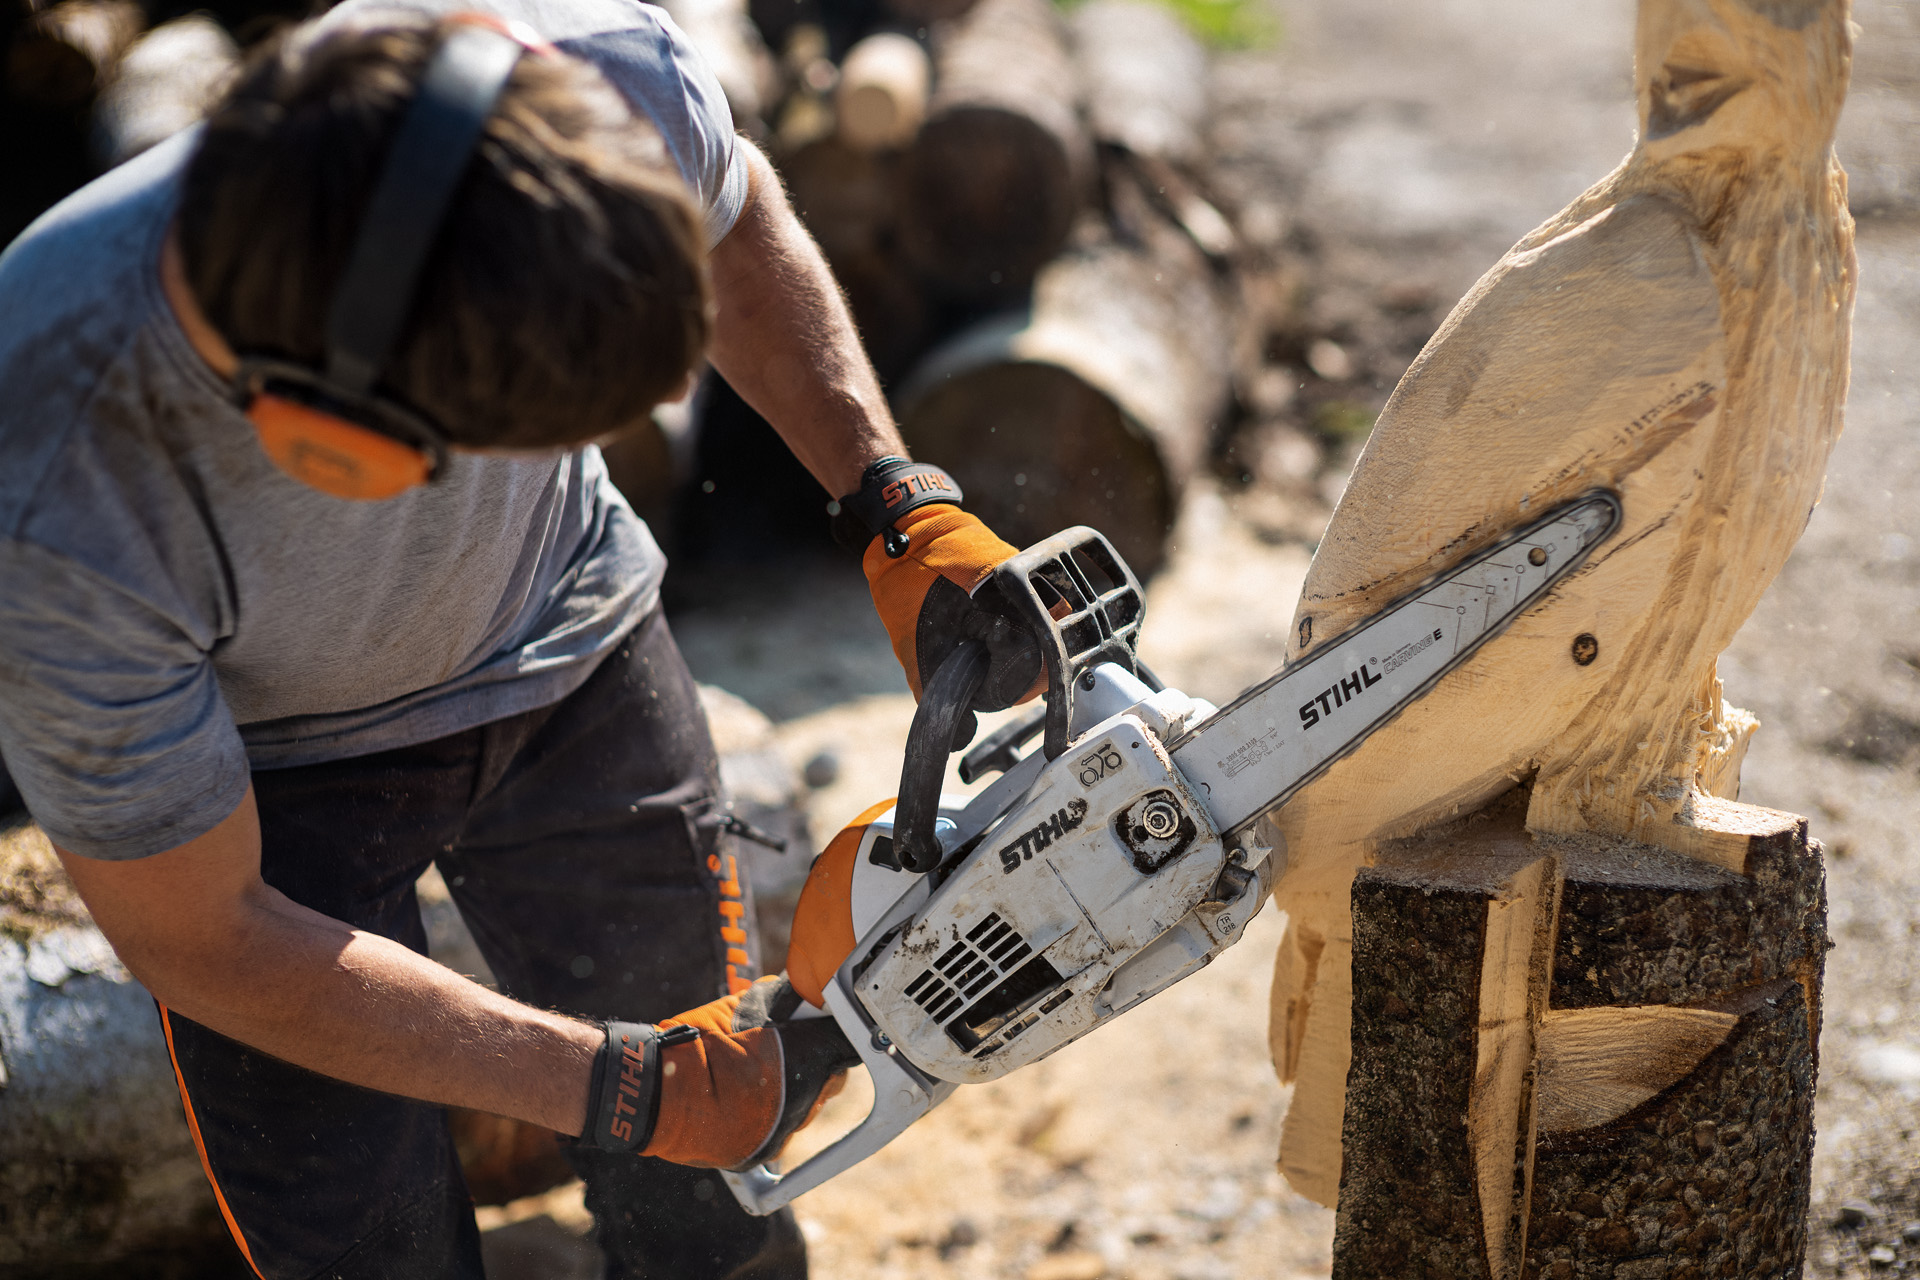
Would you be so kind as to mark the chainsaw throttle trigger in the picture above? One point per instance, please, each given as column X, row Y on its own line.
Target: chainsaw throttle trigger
column 1075, row 593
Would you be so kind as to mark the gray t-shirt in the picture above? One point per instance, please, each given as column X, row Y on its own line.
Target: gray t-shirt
column 174, row 611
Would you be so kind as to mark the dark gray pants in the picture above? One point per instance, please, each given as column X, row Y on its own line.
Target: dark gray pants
column 577, row 842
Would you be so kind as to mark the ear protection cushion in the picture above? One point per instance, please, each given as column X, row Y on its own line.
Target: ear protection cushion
column 333, row 455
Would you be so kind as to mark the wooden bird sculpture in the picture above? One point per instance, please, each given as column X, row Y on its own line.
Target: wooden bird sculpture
column 1678, row 335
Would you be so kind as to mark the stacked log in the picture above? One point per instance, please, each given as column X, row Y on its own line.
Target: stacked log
column 1095, row 405
column 944, row 179
column 881, row 99
column 96, row 1164
column 990, row 188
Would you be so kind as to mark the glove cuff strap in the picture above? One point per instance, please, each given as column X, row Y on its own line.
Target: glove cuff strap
column 889, row 488
column 623, row 1100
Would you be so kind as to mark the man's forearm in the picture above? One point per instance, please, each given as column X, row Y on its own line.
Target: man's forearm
column 784, row 340
column 212, row 941
column 370, row 1011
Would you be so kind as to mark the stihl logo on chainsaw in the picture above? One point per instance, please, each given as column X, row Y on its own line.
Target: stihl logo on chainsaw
column 1038, row 838
column 1337, row 695
column 906, row 486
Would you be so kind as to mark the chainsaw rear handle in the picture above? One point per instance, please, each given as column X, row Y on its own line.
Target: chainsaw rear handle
column 1083, row 603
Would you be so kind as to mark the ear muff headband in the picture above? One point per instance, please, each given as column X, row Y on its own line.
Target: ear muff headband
column 328, row 427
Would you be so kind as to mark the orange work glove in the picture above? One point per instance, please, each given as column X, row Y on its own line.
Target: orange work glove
column 719, row 1087
column 929, row 565
column 823, row 921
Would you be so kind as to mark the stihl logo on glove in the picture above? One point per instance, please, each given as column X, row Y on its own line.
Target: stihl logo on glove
column 633, row 1066
column 924, row 482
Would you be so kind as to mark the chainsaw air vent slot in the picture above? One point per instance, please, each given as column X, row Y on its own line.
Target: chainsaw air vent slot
column 970, row 966
column 1002, row 1004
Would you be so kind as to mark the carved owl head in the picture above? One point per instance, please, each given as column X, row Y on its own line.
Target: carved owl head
column 1754, row 76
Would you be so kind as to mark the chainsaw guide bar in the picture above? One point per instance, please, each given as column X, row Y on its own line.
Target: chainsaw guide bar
column 1275, row 738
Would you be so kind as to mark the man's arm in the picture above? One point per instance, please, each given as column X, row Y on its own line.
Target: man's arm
column 211, row 941
column 784, row 340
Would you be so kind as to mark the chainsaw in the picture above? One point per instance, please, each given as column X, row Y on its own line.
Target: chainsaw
column 1129, row 847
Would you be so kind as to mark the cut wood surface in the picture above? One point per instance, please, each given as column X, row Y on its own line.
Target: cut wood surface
column 1679, row 335
column 1093, row 407
column 1145, row 76
column 881, row 98
column 991, row 185
column 1636, row 1080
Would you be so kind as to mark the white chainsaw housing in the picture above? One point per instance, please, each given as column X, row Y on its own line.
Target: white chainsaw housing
column 1068, row 912
column 1053, row 922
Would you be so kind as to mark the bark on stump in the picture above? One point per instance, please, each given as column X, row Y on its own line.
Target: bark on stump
column 1581, row 1057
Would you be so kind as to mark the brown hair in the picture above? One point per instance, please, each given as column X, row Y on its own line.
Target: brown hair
column 567, row 293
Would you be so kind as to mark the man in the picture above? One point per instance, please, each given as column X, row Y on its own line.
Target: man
column 249, row 711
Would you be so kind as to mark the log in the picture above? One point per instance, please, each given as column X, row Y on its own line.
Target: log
column 1145, row 76
column 1679, row 335
column 881, row 98
column 1637, row 1077
column 97, row 1167
column 991, row 185
column 1094, row 406
column 62, row 55
column 169, row 79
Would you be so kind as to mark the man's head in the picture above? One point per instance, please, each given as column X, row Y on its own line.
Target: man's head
column 566, row 293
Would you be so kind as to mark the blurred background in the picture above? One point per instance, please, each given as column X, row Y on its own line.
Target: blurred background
column 1148, row 266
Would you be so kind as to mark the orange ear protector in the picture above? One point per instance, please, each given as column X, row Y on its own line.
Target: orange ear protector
column 328, row 427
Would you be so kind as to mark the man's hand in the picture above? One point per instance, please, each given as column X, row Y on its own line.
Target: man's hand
column 930, row 597
column 211, row 941
column 718, row 1087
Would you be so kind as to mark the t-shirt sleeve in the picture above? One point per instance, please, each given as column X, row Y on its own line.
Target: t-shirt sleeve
column 656, row 68
column 111, row 720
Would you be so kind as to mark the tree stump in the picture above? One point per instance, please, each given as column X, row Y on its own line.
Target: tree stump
column 1633, row 1094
